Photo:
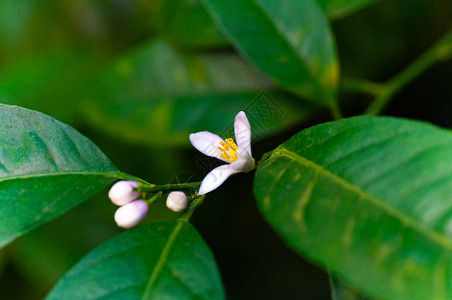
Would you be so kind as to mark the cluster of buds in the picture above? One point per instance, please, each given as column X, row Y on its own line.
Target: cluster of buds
column 238, row 158
column 132, row 210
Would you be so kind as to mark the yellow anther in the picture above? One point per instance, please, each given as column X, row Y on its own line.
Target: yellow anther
column 233, row 155
column 232, row 144
column 221, row 149
column 225, row 146
column 228, row 150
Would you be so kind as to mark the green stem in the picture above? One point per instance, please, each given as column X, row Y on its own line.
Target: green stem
column 440, row 51
column 335, row 110
column 125, row 176
column 193, row 205
column 360, row 85
column 153, row 198
column 169, row 187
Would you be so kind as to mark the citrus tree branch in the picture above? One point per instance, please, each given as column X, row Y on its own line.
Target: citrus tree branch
column 440, row 51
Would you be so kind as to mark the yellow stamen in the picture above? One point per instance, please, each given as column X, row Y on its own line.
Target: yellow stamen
column 232, row 144
column 225, row 146
column 229, row 150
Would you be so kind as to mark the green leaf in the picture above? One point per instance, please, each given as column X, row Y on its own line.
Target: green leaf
column 289, row 40
column 368, row 198
column 161, row 260
column 336, row 9
column 341, row 291
column 187, row 24
column 156, row 95
column 46, row 168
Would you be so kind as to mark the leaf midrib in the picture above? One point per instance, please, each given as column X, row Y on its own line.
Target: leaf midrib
column 300, row 59
column 162, row 259
column 407, row 220
column 110, row 174
column 291, row 47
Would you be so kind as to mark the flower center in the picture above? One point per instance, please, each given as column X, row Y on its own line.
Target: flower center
column 229, row 150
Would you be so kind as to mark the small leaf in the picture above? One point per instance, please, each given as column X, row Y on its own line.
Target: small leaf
column 159, row 96
column 369, row 199
column 161, row 260
column 336, row 9
column 46, row 168
column 289, row 40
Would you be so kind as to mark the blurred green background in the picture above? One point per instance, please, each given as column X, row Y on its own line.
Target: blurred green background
column 84, row 62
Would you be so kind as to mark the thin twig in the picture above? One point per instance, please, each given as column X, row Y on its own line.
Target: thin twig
column 440, row 51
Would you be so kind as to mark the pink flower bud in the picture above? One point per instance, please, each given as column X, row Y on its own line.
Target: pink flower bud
column 131, row 214
column 176, row 201
column 122, row 192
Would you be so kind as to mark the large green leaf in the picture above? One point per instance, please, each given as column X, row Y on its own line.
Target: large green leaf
column 336, row 9
column 46, row 168
column 289, row 40
column 159, row 96
column 187, row 23
column 370, row 199
column 161, row 260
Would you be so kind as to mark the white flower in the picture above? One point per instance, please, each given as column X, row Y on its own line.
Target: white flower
column 238, row 157
column 131, row 214
column 176, row 201
column 122, row 192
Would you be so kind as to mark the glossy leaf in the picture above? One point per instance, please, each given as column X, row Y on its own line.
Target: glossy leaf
column 336, row 9
column 58, row 245
column 368, row 198
column 46, row 168
column 289, row 40
column 161, row 260
column 159, row 96
column 187, row 23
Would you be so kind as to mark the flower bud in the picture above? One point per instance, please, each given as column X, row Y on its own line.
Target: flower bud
column 176, row 201
column 131, row 214
column 122, row 192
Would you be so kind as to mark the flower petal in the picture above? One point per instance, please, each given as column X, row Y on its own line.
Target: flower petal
column 244, row 163
column 215, row 178
column 122, row 192
column 176, row 201
column 207, row 143
column 242, row 131
column 131, row 214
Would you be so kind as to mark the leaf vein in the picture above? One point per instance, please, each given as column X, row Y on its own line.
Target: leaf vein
column 111, row 174
column 371, row 144
column 412, row 158
column 162, row 260
column 303, row 202
column 407, row 220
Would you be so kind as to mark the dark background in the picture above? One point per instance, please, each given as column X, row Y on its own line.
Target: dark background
column 375, row 43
